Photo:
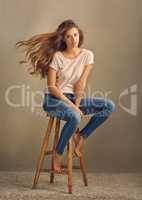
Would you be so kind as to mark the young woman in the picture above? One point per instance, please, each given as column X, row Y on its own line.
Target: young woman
column 58, row 56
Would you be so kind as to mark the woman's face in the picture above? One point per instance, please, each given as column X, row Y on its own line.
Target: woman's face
column 72, row 38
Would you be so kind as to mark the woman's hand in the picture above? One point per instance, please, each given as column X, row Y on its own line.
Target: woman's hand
column 78, row 110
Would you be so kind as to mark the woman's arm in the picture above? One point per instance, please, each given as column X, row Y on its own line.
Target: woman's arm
column 51, row 83
column 80, row 85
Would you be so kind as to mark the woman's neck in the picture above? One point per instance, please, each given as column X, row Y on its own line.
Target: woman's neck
column 72, row 51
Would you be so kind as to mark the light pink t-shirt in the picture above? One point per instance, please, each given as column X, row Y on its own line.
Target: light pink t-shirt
column 69, row 70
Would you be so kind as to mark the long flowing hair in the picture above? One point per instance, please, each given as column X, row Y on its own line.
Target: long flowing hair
column 40, row 49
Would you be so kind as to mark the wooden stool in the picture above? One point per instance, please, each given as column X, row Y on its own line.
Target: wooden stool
column 44, row 152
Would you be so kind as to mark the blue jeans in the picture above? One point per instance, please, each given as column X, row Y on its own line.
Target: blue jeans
column 99, row 107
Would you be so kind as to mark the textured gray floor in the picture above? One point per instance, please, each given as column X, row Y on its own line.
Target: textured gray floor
column 124, row 186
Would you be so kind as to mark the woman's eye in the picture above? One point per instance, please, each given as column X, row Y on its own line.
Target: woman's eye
column 68, row 36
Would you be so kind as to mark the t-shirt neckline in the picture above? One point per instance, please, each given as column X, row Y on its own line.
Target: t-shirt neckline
column 81, row 50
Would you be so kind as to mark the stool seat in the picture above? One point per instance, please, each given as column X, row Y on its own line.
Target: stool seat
column 44, row 152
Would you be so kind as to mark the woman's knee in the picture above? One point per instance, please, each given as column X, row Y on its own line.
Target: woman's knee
column 75, row 118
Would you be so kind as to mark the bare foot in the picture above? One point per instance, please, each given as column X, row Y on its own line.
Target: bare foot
column 79, row 147
column 57, row 162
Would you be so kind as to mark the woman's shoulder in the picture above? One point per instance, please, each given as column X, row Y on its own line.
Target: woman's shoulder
column 89, row 55
column 87, row 51
column 57, row 55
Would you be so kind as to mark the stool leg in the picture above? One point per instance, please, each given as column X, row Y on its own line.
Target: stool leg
column 57, row 130
column 82, row 168
column 69, row 165
column 42, row 152
column 82, row 165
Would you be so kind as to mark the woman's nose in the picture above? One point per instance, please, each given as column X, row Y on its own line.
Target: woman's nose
column 73, row 39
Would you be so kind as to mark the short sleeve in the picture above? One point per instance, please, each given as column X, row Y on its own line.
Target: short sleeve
column 55, row 62
column 89, row 58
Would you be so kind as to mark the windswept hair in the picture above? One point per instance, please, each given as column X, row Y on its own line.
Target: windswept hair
column 40, row 49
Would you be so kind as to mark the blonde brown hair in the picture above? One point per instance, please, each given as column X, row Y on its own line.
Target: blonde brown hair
column 39, row 49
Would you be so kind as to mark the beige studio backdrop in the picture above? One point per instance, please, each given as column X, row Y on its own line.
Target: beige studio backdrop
column 112, row 29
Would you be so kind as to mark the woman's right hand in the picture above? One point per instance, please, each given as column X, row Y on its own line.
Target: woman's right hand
column 78, row 110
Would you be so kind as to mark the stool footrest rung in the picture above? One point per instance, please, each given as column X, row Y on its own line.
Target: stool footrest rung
column 54, row 172
column 49, row 152
column 74, row 167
